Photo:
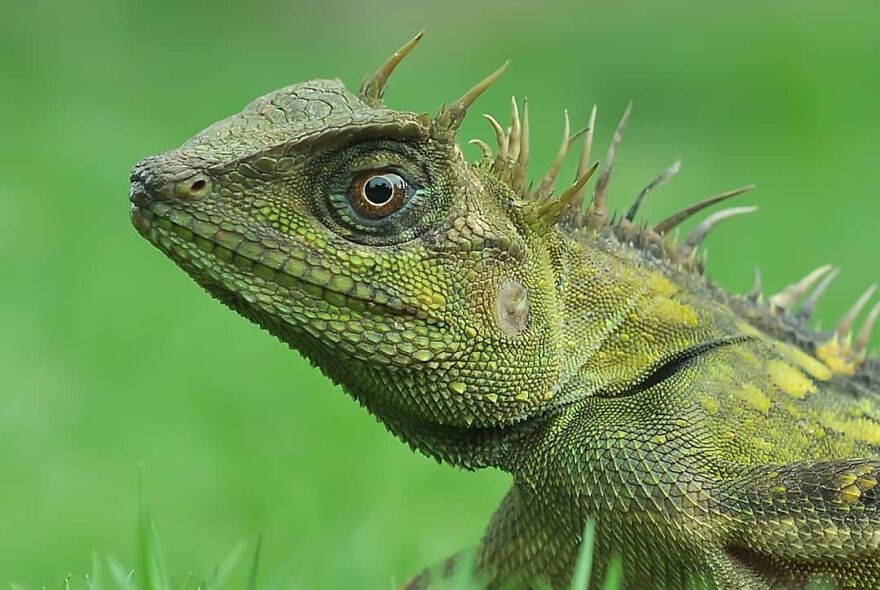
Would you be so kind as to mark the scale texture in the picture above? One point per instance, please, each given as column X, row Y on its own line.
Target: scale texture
column 715, row 440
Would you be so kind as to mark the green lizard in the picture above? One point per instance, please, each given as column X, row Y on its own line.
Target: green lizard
column 712, row 438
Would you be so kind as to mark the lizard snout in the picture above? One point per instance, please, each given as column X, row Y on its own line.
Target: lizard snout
column 138, row 192
column 157, row 179
column 149, row 182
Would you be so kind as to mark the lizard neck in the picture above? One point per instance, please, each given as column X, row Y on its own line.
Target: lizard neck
column 623, row 317
column 617, row 321
column 470, row 447
column 467, row 447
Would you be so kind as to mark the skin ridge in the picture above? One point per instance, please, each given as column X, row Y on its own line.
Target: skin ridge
column 714, row 439
column 787, row 327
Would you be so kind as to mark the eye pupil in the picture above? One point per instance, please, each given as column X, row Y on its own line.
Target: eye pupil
column 378, row 190
column 376, row 194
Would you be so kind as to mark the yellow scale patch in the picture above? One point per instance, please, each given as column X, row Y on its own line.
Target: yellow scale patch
column 790, row 379
column 669, row 311
column 763, row 444
column 709, row 405
column 859, row 429
column 816, row 368
column 755, row 398
column 659, row 284
column 854, row 484
column 838, row 356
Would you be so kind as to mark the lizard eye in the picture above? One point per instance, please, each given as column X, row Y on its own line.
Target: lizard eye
column 377, row 194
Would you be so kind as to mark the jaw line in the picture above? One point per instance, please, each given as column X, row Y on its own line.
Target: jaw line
column 147, row 220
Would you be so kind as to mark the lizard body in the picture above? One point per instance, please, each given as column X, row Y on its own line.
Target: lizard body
column 713, row 438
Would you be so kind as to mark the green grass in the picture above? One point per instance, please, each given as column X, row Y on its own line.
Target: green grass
column 150, row 572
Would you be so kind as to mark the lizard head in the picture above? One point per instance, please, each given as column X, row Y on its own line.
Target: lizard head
column 360, row 236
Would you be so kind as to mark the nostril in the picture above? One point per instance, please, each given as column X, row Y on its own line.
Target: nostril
column 193, row 188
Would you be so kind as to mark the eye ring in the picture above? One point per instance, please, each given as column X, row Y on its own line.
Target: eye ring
column 378, row 193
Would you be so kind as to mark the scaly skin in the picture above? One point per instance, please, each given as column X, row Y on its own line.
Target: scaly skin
column 713, row 438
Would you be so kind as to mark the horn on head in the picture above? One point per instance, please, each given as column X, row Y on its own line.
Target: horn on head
column 449, row 119
column 374, row 87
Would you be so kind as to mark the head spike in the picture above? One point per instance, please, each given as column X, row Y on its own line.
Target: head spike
column 484, row 147
column 571, row 194
column 576, row 135
column 448, row 120
column 846, row 323
column 663, row 177
column 809, row 307
column 758, row 290
column 501, row 138
column 522, row 162
column 374, row 87
column 789, row 296
column 514, row 131
column 864, row 337
column 584, row 162
column 674, row 220
column 549, row 180
column 598, row 212
column 569, row 201
column 700, row 232
column 500, row 135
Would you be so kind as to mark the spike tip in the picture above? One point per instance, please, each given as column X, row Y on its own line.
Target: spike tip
column 449, row 119
column 373, row 87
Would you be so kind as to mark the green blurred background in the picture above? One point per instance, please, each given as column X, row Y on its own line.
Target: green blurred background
column 110, row 356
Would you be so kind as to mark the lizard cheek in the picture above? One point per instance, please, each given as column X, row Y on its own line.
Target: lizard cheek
column 513, row 309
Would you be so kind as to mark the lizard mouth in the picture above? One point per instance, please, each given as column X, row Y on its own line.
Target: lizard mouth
column 188, row 240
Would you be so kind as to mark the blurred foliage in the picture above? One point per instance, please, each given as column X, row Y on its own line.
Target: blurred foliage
column 150, row 573
column 110, row 356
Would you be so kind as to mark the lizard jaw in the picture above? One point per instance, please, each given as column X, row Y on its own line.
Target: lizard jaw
column 187, row 241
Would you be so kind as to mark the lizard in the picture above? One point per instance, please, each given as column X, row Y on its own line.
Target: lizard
column 489, row 321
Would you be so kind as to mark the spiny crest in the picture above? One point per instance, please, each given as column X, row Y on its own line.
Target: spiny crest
column 843, row 351
column 510, row 165
column 536, row 203
column 448, row 120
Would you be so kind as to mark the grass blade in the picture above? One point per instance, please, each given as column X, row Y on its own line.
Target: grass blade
column 152, row 570
column 614, row 574
column 186, row 580
column 95, row 580
column 224, row 569
column 584, row 566
column 252, row 577
column 123, row 579
column 282, row 579
column 465, row 576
